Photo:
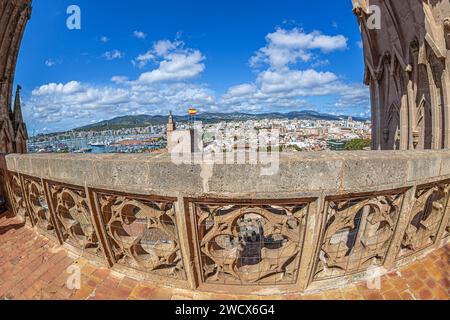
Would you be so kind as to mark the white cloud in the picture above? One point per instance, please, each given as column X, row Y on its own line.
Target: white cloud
column 104, row 39
column 242, row 90
column 175, row 62
column 139, row 34
column 287, row 47
column 113, row 55
column 307, row 80
column 356, row 95
column 176, row 67
column 119, row 79
column 57, row 88
column 143, row 59
column 163, row 47
column 281, row 90
column 81, row 103
column 282, row 85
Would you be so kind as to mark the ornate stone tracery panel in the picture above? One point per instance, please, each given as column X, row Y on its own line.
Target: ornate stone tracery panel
column 250, row 244
column 73, row 217
column 358, row 233
column 142, row 233
column 17, row 197
column 37, row 205
column 427, row 215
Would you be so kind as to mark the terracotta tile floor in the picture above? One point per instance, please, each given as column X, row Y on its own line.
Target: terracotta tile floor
column 32, row 267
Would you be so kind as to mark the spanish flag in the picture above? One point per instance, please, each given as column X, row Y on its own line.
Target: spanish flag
column 193, row 112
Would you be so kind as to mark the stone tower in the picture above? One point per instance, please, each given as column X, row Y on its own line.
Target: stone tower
column 407, row 61
column 171, row 127
column 14, row 15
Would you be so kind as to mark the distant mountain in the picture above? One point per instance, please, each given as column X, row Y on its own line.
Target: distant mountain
column 146, row 120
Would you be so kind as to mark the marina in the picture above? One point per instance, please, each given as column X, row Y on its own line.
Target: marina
column 141, row 143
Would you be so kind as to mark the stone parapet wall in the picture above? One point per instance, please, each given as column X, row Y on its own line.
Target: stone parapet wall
column 324, row 219
column 302, row 174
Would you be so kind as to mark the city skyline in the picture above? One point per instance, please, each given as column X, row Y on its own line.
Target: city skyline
column 150, row 61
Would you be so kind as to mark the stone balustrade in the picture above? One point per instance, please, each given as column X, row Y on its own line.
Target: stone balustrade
column 323, row 220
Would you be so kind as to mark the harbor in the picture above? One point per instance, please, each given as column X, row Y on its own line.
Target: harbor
column 140, row 143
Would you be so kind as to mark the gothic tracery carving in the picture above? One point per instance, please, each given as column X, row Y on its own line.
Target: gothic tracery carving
column 426, row 217
column 72, row 215
column 37, row 204
column 250, row 244
column 17, row 196
column 357, row 235
column 142, row 234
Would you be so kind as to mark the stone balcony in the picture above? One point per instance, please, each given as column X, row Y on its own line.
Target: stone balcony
column 322, row 220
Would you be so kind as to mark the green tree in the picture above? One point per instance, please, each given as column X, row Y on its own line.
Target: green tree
column 358, row 144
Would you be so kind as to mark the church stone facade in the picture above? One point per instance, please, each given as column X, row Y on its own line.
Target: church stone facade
column 14, row 15
column 407, row 61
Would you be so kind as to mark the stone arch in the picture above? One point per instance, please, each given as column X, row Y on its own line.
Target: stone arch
column 392, row 131
column 5, row 141
column 393, row 89
column 435, row 69
column 20, row 141
column 417, row 36
column 424, row 129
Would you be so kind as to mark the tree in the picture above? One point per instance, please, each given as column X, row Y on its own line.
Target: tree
column 358, row 144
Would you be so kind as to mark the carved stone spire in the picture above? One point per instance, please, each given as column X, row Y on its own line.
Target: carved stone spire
column 171, row 126
column 19, row 127
column 17, row 114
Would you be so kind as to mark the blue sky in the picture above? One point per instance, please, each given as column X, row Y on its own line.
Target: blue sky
column 149, row 57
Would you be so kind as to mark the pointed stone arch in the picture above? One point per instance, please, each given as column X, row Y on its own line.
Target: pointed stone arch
column 6, row 141
column 423, row 134
column 392, row 130
column 21, row 140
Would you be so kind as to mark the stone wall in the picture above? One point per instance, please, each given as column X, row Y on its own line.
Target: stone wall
column 407, row 58
column 324, row 219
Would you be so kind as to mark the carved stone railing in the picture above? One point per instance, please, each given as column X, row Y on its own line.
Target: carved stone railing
column 324, row 219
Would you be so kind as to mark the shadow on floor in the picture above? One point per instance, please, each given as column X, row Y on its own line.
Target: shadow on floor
column 5, row 229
